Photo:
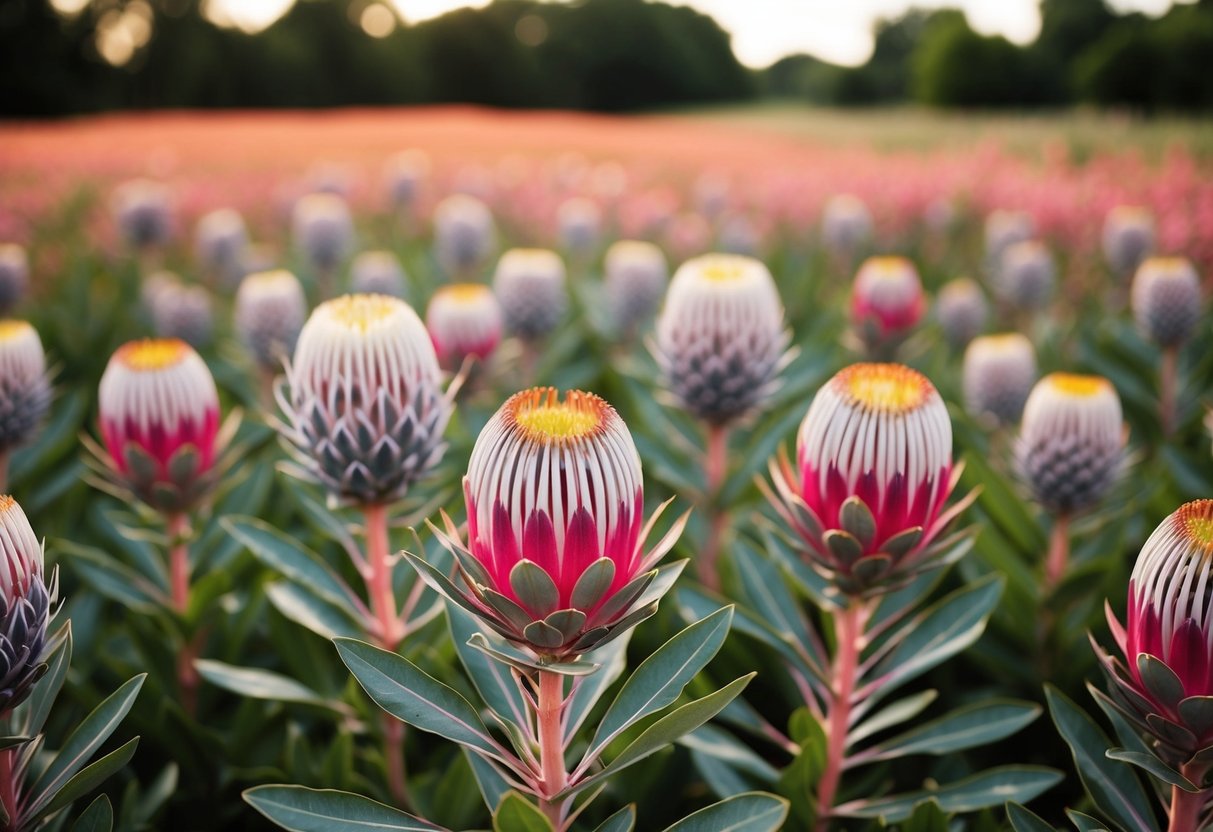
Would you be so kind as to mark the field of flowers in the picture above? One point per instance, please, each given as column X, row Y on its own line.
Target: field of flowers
column 446, row 469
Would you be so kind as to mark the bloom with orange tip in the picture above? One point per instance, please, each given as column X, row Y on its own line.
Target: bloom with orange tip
column 25, row 603
column 873, row 475
column 886, row 301
column 1166, row 300
column 25, row 390
column 464, row 319
column 555, row 497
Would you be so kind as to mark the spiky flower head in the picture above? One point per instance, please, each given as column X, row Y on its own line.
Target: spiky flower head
column 322, row 230
column 1128, row 237
column 999, row 371
column 846, row 224
column 530, row 285
column 886, row 301
column 1004, row 229
column 270, row 311
column 579, row 221
column 872, row 477
column 464, row 319
column 25, row 606
column 465, row 235
column 1026, row 275
column 635, row 273
column 159, row 418
column 962, row 311
column 143, row 212
column 220, row 241
column 555, row 501
column 405, row 175
column 1071, row 441
column 1164, row 683
column 1166, row 300
column 185, row 312
column 366, row 411
column 14, row 276
column 377, row 273
column 25, row 390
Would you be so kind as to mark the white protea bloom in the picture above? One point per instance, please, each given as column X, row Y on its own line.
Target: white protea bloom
column 886, row 301
column 25, row 606
column 531, row 286
column 999, row 372
column 721, row 338
column 378, row 273
column 465, row 235
column 405, row 176
column 365, row 408
column 1071, row 442
column 464, row 319
column 270, row 311
column 962, row 311
column 846, row 224
column 1166, row 300
column 635, row 273
column 1004, row 229
column 322, row 230
column 220, row 241
column 25, row 390
column 1128, row 237
column 579, row 221
column 1026, row 275
column 143, row 212
column 14, row 276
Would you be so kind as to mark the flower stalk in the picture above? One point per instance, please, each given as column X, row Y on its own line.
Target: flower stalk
column 1168, row 373
column 1188, row 807
column 716, row 465
column 850, row 623
column 1059, row 552
column 549, row 717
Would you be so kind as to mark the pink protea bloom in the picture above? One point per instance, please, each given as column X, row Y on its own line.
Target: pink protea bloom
column 872, row 478
column 464, row 319
column 886, row 301
column 555, row 500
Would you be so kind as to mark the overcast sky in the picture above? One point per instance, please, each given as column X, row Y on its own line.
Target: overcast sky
column 766, row 30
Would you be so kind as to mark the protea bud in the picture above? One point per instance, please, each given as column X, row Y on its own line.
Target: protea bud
column 1004, row 229
column 25, row 605
column 14, row 276
column 159, row 417
column 1026, row 275
column 962, row 311
column 464, row 234
column 1128, row 237
column 580, row 223
column 220, row 241
column 739, row 235
column 377, row 273
column 999, row 371
column 270, row 311
column 846, row 225
column 25, row 390
column 366, row 411
column 886, row 301
column 530, row 285
column 874, row 471
column 322, row 230
column 464, row 319
column 1166, row 300
column 635, row 274
column 721, row 339
column 1164, row 683
column 143, row 211
column 1071, row 441
column 555, row 502
column 185, row 312
column 405, row 175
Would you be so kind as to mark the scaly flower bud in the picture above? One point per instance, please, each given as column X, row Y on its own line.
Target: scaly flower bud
column 185, row 312
column 1166, row 300
column 635, row 274
column 999, row 371
column 1128, row 237
column 846, row 224
column 464, row 319
column 1026, row 275
column 378, row 273
column 366, row 411
column 270, row 311
column 530, row 285
column 580, row 223
column 1004, row 229
column 322, row 230
column 464, row 234
column 962, row 311
column 143, row 211
column 25, row 606
column 886, row 300
column 220, row 241
column 25, row 390
column 14, row 276
column 405, row 175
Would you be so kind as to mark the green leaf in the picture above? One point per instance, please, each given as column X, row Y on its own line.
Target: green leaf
column 749, row 812
column 720, row 745
column 297, row 603
column 1085, row 823
column 300, row 809
column 89, row 778
column 893, row 714
column 12, row 742
column 927, row 817
column 1112, row 785
column 492, row 680
column 966, row 727
column 1154, row 767
column 112, row 578
column 37, row 708
column 622, row 821
column 661, row 678
column 992, row 787
column 488, row 779
column 1023, row 820
column 261, row 684
column 517, row 814
column 612, row 661
column 413, row 696
column 98, row 817
column 768, row 591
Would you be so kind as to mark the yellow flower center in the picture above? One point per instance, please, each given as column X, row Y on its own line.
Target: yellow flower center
column 891, row 387
column 152, row 353
column 722, row 270
column 1196, row 521
column 1079, row 386
column 6, row 503
column 12, row 329
column 464, row 292
column 544, row 418
column 887, row 266
column 361, row 312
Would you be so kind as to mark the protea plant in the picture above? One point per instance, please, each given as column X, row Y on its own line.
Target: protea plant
column 220, row 241
column 1025, row 276
column 579, row 222
column 1128, row 238
column 14, row 276
column 182, row 311
column 465, row 235
column 887, row 301
column 962, row 311
column 846, row 226
column 25, row 606
column 25, row 390
column 270, row 311
column 635, row 273
column 377, row 273
column 531, row 286
column 464, row 320
column 405, row 176
column 1005, row 228
column 999, row 371
column 143, row 212
column 1166, row 302
column 323, row 232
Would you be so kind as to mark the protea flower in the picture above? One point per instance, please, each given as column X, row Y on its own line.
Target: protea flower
column 635, row 274
column 739, row 235
column 886, row 301
column 1128, row 237
column 322, row 230
column 1166, row 300
column 962, row 311
column 579, row 221
column 143, row 212
column 25, row 604
column 554, row 559
column 1071, row 441
column 1164, row 683
column 365, row 409
column 14, row 276
column 464, row 319
column 846, row 225
column 721, row 339
column 220, row 240
column 159, row 418
column 1026, row 275
column 25, row 390
column 181, row 311
column 464, row 234
column 999, row 371
column 873, row 473
column 270, row 311
column 377, row 273
column 530, row 285
column 1004, row 229
column 405, row 175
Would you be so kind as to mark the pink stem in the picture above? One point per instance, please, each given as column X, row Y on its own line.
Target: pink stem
column 849, row 624
column 1059, row 552
column 551, row 746
column 179, row 588
column 716, row 464
column 1168, row 373
column 386, row 626
column 1186, row 807
column 10, row 788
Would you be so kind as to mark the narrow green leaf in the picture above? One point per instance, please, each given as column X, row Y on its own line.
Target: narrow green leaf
column 112, row 578
column 622, row 821
column 300, row 809
column 12, row 742
column 749, row 812
column 257, row 683
column 1085, row 823
column 488, row 779
column 517, row 814
column 893, row 714
column 492, row 680
column 297, row 603
column 1154, row 767
column 966, row 727
column 88, row 778
column 612, row 661
column 1023, row 820
column 37, row 708
column 98, row 817
column 992, row 787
